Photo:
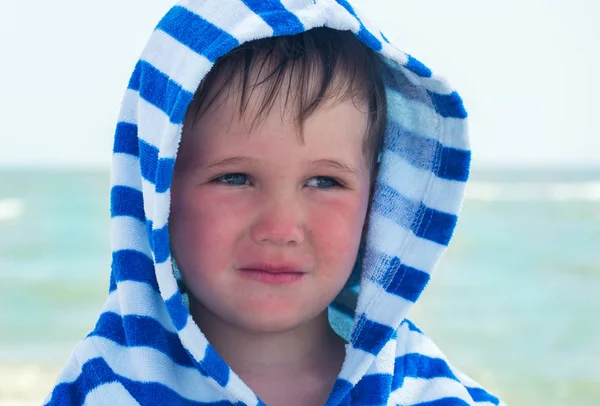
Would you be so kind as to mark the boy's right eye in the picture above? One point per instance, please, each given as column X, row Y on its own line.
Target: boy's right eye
column 234, row 179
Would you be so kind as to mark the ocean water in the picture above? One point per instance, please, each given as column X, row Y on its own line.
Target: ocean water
column 515, row 302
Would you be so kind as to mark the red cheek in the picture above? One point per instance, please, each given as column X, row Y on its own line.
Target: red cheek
column 338, row 226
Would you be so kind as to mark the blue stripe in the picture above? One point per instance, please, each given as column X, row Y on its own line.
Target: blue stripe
column 177, row 310
column 160, row 244
column 396, row 81
column 406, row 282
column 480, row 395
column 391, row 204
column 363, row 34
column 148, row 161
column 282, row 21
column 112, row 284
column 126, row 140
column 411, row 326
column 196, row 33
column 148, row 333
column 136, row 77
column 370, row 336
column 427, row 153
column 448, row 105
column 372, row 390
column 126, row 201
column 341, row 388
column 130, row 265
column 96, row 372
column 161, row 91
column 417, row 67
column 454, row 164
column 73, row 393
column 215, row 366
column 420, row 367
column 424, row 222
column 435, row 225
column 444, row 402
column 158, row 171
column 164, row 176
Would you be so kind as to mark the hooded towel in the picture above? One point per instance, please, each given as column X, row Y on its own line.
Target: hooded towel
column 146, row 349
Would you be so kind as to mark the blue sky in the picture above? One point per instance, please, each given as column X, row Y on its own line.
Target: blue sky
column 527, row 71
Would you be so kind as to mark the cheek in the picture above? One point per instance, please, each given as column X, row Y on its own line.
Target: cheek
column 199, row 228
column 337, row 228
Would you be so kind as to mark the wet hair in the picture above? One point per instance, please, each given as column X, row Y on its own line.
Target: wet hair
column 314, row 67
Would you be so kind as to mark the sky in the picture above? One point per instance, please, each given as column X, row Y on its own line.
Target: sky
column 527, row 72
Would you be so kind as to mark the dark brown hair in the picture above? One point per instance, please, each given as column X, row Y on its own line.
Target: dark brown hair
column 312, row 67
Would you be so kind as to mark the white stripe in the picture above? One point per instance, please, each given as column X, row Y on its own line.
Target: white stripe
column 392, row 239
column 110, row 393
column 355, row 364
column 445, row 195
column 166, row 280
column 334, row 15
column 126, row 171
column 175, row 60
column 240, row 390
column 232, row 16
column 420, row 185
column 393, row 55
column 382, row 307
column 128, row 113
column 161, row 214
column 368, row 24
column 413, row 342
column 423, row 120
column 383, row 364
column 415, row 390
column 170, row 144
column 72, row 370
column 148, row 191
column 138, row 299
column 435, row 83
column 129, row 233
column 144, row 364
column 154, row 124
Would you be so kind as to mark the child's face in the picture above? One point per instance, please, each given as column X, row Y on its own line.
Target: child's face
column 263, row 234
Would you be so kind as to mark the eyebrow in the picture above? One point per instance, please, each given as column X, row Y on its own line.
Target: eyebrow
column 336, row 165
column 231, row 161
column 332, row 163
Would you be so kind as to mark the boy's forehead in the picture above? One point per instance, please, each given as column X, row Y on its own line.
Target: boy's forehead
column 332, row 131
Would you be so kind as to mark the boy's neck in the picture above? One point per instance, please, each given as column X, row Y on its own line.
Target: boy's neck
column 309, row 350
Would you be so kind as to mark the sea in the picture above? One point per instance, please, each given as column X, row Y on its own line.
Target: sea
column 515, row 302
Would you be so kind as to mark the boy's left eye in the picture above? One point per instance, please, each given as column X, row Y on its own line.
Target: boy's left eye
column 323, row 182
column 233, row 179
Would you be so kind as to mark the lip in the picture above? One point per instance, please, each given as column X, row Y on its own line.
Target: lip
column 276, row 274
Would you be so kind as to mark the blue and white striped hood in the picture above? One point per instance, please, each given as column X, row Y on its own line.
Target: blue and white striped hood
column 146, row 349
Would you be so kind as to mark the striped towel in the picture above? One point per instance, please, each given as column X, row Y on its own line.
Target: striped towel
column 146, row 349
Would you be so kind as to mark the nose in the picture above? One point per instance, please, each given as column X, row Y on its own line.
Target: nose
column 280, row 222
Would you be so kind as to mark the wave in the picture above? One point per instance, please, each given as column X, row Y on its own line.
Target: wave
column 588, row 191
column 11, row 209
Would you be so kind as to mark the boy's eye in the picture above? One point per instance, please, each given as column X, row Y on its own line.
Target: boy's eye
column 323, row 182
column 235, row 179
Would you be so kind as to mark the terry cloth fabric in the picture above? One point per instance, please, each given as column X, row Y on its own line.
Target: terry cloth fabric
column 145, row 348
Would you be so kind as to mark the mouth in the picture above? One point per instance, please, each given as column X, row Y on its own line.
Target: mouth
column 276, row 275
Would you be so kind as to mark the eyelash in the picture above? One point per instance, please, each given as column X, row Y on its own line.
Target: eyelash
column 222, row 180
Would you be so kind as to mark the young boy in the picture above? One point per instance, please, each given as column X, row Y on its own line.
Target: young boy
column 284, row 181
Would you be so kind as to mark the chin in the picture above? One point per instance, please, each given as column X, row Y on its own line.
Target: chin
column 274, row 319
